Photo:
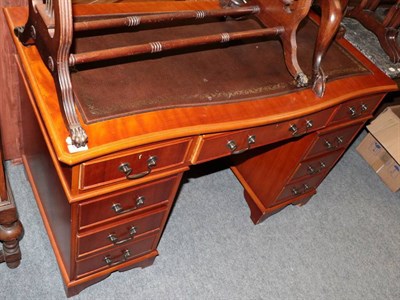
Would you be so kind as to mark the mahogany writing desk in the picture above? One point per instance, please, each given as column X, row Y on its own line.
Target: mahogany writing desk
column 105, row 208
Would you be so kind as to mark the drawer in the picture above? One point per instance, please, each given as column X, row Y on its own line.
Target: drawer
column 128, row 202
column 356, row 108
column 212, row 146
column 333, row 140
column 133, row 164
column 293, row 190
column 116, row 256
column 317, row 165
column 119, row 234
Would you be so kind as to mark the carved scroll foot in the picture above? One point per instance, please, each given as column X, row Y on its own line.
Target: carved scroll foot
column 319, row 83
column 78, row 136
column 301, row 80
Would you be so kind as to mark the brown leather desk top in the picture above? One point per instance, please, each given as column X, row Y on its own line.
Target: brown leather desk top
column 210, row 75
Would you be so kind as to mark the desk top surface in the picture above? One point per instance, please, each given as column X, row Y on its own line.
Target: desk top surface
column 108, row 136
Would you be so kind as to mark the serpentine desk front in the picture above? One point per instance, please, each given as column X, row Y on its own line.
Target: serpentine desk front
column 105, row 208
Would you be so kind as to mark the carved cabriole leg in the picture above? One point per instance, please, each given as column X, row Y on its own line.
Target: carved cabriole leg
column 331, row 16
column 289, row 14
column 289, row 43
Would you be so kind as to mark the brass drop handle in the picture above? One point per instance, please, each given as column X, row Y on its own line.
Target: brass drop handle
column 302, row 190
column 118, row 209
column 116, row 241
column 232, row 146
column 312, row 170
column 125, row 255
column 339, row 140
column 127, row 170
column 353, row 111
column 328, row 144
column 295, row 130
column 364, row 107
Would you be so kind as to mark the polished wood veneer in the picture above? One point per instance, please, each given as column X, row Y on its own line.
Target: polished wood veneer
column 100, row 219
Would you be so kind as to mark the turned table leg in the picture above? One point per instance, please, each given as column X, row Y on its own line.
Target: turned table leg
column 9, row 235
column 10, row 227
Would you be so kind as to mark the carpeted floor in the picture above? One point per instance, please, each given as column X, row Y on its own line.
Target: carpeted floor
column 344, row 244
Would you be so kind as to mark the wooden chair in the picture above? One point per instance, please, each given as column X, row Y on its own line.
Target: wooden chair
column 386, row 30
column 51, row 26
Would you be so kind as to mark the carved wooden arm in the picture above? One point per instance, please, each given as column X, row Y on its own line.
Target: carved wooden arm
column 54, row 21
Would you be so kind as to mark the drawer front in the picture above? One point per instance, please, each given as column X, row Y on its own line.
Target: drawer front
column 334, row 140
column 213, row 146
column 356, row 108
column 127, row 203
column 316, row 166
column 133, row 164
column 116, row 256
column 293, row 190
column 119, row 234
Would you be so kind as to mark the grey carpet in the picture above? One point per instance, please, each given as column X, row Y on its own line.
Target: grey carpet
column 344, row 244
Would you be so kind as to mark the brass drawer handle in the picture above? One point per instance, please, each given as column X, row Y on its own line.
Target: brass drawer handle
column 118, row 209
column 295, row 130
column 311, row 170
column 232, row 146
column 337, row 144
column 116, row 241
column 302, row 190
column 127, row 170
column 125, row 255
column 353, row 111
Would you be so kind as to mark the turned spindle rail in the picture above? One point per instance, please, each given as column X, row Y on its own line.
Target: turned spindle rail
column 154, row 47
column 135, row 20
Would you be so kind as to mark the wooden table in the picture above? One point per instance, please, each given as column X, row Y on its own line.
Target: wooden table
column 280, row 146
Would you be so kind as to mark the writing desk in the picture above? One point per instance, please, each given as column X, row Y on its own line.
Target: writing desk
column 105, row 208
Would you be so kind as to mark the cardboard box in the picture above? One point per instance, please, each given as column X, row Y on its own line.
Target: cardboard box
column 381, row 147
column 386, row 130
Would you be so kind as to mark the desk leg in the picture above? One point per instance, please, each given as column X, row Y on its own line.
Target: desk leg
column 10, row 232
column 265, row 173
column 10, row 227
